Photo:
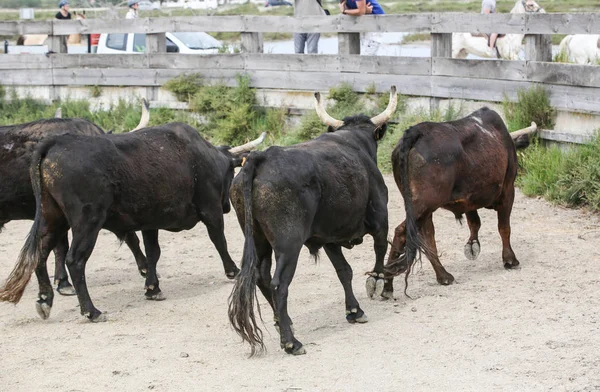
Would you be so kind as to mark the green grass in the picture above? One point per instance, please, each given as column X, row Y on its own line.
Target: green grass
column 531, row 105
column 570, row 178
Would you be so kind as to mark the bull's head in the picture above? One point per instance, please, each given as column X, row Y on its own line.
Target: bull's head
column 378, row 120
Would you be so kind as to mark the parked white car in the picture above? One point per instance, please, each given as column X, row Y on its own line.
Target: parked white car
column 145, row 5
column 193, row 43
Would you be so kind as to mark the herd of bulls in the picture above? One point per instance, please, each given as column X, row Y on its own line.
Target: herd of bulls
column 67, row 174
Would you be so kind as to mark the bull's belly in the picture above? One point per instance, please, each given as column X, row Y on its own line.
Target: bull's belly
column 157, row 218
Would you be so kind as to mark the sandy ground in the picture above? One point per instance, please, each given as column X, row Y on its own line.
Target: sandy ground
column 532, row 329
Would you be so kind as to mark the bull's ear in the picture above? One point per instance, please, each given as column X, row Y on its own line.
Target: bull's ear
column 330, row 129
column 379, row 132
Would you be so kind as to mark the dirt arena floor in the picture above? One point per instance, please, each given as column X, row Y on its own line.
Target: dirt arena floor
column 532, row 329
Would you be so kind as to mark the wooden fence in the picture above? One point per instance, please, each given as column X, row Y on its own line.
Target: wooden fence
column 571, row 87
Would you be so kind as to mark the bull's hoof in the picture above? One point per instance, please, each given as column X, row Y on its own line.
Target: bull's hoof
column 43, row 309
column 445, row 280
column 356, row 315
column 233, row 274
column 511, row 264
column 472, row 250
column 153, row 293
column 96, row 316
column 374, row 285
column 387, row 295
column 295, row 348
column 65, row 288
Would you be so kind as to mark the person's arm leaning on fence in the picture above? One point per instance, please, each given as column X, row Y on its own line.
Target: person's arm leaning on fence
column 362, row 8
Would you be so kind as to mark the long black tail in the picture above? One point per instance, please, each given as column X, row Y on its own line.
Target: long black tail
column 243, row 296
column 13, row 288
column 400, row 157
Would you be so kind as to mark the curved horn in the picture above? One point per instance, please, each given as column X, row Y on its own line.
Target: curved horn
column 389, row 111
column 248, row 146
column 525, row 131
column 323, row 115
column 58, row 113
column 145, row 116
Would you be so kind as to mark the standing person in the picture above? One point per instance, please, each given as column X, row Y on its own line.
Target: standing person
column 63, row 14
column 133, row 9
column 369, row 42
column 64, row 10
column 308, row 40
column 489, row 7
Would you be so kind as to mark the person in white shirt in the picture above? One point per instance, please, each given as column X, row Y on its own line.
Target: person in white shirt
column 133, row 9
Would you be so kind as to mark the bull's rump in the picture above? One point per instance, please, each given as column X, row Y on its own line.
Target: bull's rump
column 463, row 164
column 17, row 143
column 322, row 191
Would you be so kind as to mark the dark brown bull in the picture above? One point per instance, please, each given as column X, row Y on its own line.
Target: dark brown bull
column 17, row 143
column 461, row 166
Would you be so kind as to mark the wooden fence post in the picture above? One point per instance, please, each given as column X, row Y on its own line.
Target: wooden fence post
column 56, row 44
column 538, row 47
column 348, row 43
column 155, row 43
column 441, row 46
column 252, row 43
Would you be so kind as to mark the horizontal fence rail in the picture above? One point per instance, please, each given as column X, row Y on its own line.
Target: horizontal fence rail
column 448, row 22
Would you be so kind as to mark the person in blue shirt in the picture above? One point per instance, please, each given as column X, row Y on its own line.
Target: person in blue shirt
column 369, row 42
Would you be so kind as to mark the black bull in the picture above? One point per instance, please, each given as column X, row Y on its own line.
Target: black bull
column 17, row 143
column 165, row 177
column 461, row 166
column 325, row 193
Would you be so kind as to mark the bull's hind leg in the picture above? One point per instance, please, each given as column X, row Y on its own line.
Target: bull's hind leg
column 375, row 282
column 85, row 234
column 428, row 235
column 61, row 279
column 216, row 232
column 133, row 243
column 397, row 262
column 472, row 248
column 50, row 237
column 286, row 263
column 504, row 209
column 153, row 254
column 354, row 314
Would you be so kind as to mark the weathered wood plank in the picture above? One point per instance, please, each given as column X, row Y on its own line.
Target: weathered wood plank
column 25, row 78
column 538, row 47
column 588, row 23
column 24, row 61
column 441, row 45
column 25, row 27
column 480, row 69
column 349, row 43
column 252, row 43
column 565, row 74
column 564, row 137
column 197, row 62
column 100, row 60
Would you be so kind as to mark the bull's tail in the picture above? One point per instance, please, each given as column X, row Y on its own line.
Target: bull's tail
column 243, row 296
column 414, row 243
column 13, row 288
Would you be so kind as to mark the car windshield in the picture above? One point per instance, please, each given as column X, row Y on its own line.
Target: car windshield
column 198, row 40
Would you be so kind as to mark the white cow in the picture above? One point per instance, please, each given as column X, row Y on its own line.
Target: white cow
column 581, row 48
column 508, row 46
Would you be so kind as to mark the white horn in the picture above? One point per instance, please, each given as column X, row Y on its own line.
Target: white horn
column 145, row 116
column 525, row 131
column 58, row 113
column 248, row 146
column 389, row 111
column 323, row 115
